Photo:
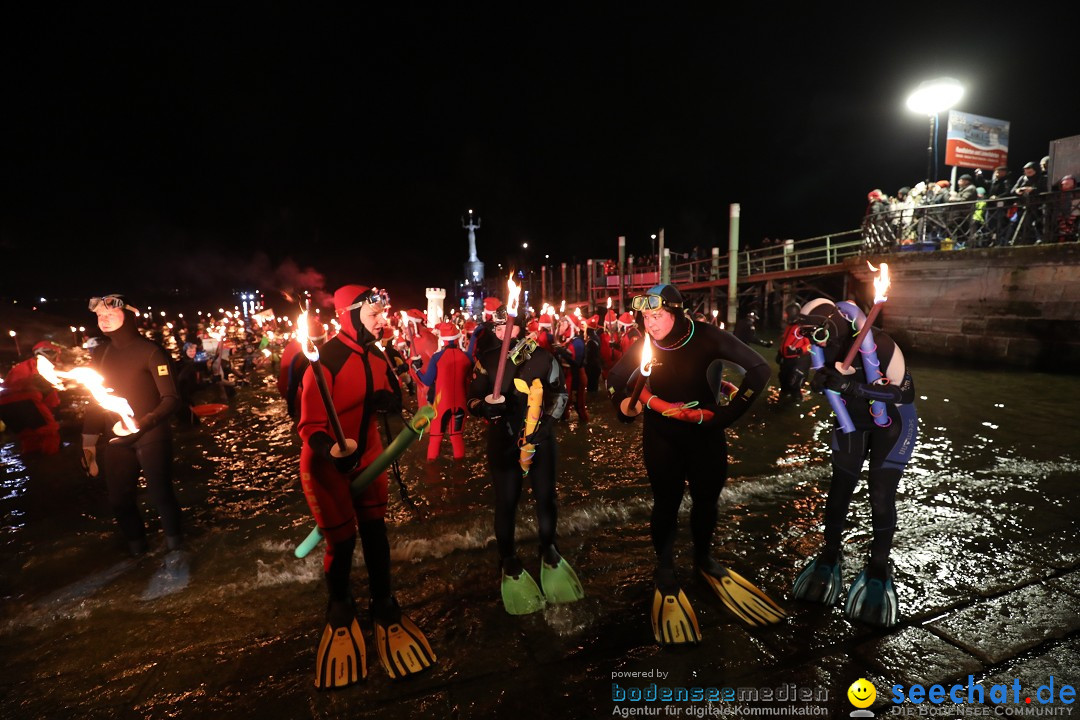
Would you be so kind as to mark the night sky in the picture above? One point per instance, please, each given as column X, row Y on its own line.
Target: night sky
column 209, row 149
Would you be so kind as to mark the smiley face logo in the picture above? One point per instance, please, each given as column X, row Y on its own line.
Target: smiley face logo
column 861, row 693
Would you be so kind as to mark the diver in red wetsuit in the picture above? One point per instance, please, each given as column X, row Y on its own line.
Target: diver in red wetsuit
column 447, row 376
column 27, row 400
column 362, row 384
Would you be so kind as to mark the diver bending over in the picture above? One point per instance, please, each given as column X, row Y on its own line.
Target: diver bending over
column 684, row 445
column 879, row 399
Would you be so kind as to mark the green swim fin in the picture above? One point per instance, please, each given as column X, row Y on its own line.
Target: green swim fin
column 560, row 582
column 342, row 657
column 745, row 601
column 520, row 593
column 673, row 619
column 403, row 649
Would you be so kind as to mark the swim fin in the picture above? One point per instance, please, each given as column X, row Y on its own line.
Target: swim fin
column 673, row 619
column 403, row 649
column 342, row 656
column 749, row 604
column 560, row 582
column 819, row 582
column 520, row 593
column 873, row 601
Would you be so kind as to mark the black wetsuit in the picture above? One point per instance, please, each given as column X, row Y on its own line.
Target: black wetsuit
column 139, row 371
column 502, row 441
column 678, row 453
column 888, row 448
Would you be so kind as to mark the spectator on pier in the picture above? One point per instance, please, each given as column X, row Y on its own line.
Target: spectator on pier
column 961, row 218
column 997, row 218
column 1028, row 188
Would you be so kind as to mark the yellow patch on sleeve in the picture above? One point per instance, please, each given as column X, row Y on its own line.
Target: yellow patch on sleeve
column 162, row 369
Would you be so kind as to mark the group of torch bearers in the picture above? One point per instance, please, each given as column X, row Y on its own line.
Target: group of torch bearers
column 673, row 375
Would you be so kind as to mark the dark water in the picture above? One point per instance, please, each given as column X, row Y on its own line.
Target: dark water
column 85, row 632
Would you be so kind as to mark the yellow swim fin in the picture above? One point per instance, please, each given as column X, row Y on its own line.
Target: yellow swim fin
column 342, row 657
column 673, row 619
column 745, row 601
column 403, row 649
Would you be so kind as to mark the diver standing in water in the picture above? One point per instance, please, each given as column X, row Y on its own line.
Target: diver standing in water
column 684, row 445
column 360, row 383
column 139, row 371
column 521, row 442
column 878, row 399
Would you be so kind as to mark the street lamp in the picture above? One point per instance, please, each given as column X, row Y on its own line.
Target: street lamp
column 932, row 97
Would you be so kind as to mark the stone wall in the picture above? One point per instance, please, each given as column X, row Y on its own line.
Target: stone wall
column 1009, row 306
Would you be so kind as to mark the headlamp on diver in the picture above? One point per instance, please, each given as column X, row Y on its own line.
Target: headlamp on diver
column 375, row 296
column 112, row 302
column 652, row 301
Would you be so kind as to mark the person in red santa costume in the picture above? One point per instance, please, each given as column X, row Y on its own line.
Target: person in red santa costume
column 629, row 330
column 447, row 376
column 543, row 334
column 571, row 353
column 422, row 344
column 361, row 384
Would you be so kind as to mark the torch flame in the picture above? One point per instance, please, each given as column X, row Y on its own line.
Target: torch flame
column 646, row 358
column 608, row 302
column 95, row 384
column 513, row 290
column 306, row 346
column 881, row 282
column 562, row 306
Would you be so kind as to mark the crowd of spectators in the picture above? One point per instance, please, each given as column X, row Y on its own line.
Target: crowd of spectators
column 980, row 211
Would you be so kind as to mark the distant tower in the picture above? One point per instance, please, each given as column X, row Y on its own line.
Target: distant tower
column 474, row 269
column 435, row 298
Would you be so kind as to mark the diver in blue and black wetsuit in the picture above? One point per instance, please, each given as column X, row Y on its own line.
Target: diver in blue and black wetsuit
column 879, row 398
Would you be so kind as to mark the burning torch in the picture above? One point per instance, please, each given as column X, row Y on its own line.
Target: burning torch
column 630, row 406
column 512, row 292
column 881, row 287
column 95, row 384
column 344, row 447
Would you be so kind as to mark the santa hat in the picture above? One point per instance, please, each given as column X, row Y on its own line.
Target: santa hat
column 545, row 321
column 626, row 320
column 46, row 347
column 491, row 304
column 415, row 315
column 470, row 325
column 448, row 333
column 533, row 326
column 593, row 322
column 610, row 317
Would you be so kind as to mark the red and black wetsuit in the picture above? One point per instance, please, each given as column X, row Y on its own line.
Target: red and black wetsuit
column 688, row 366
column 793, row 357
column 139, row 371
column 361, row 383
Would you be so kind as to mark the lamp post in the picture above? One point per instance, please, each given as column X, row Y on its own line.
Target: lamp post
column 931, row 98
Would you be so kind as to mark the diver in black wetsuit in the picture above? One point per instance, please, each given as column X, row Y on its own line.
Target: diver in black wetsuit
column 507, row 420
column 885, row 430
column 139, row 371
column 683, row 438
